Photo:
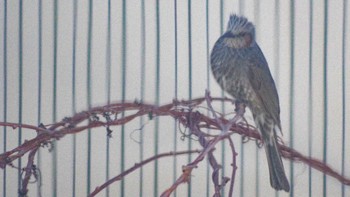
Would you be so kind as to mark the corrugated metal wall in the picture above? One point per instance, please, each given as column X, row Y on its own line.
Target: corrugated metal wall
column 62, row 57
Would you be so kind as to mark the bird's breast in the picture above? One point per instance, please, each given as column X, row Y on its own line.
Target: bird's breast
column 233, row 78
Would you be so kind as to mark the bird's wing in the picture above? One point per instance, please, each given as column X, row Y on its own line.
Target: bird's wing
column 263, row 84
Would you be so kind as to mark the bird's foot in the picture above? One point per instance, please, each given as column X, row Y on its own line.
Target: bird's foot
column 240, row 107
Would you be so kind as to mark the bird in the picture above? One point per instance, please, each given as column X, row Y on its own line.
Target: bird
column 241, row 70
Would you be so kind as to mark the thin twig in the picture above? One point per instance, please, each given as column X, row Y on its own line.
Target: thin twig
column 136, row 166
column 186, row 170
column 234, row 166
column 194, row 120
column 240, row 109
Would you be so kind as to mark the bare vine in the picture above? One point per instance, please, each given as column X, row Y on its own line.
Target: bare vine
column 185, row 112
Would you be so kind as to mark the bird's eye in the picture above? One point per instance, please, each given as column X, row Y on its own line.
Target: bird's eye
column 242, row 34
column 228, row 35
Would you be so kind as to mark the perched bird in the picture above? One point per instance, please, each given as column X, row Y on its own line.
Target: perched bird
column 241, row 69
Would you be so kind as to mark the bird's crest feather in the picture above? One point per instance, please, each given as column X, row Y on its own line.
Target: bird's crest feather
column 240, row 24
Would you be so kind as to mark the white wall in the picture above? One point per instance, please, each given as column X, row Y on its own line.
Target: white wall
column 274, row 36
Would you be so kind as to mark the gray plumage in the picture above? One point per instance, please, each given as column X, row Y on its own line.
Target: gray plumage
column 241, row 69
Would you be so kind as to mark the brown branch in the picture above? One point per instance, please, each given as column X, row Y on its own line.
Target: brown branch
column 182, row 111
column 194, row 120
column 136, row 166
column 294, row 155
column 208, row 145
column 29, row 170
column 24, row 126
column 186, row 170
column 234, row 165
column 70, row 125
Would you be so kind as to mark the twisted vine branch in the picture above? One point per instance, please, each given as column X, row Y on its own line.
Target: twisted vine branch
column 185, row 112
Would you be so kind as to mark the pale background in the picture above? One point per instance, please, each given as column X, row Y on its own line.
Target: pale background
column 273, row 23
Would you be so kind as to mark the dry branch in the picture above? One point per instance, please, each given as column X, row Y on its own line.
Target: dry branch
column 185, row 112
column 136, row 166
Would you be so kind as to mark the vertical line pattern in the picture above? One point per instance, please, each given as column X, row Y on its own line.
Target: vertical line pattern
column 241, row 165
column 74, row 166
column 89, row 91
column 20, row 88
column 54, row 103
column 208, row 88
column 142, row 85
column 108, row 86
column 241, row 7
column 4, row 181
column 343, row 92
column 310, row 93
column 221, row 32
column 257, row 158
column 277, row 42
column 222, row 95
column 39, row 182
column 156, row 134
column 108, row 53
column 190, row 52
column 325, row 115
column 207, row 43
column 176, row 92
column 223, row 163
column 221, row 17
column 22, row 31
column 291, row 104
column 189, row 188
column 124, row 61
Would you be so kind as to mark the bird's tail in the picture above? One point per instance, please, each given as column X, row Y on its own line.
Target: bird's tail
column 278, row 178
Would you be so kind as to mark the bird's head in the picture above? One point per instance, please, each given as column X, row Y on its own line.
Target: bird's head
column 240, row 32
